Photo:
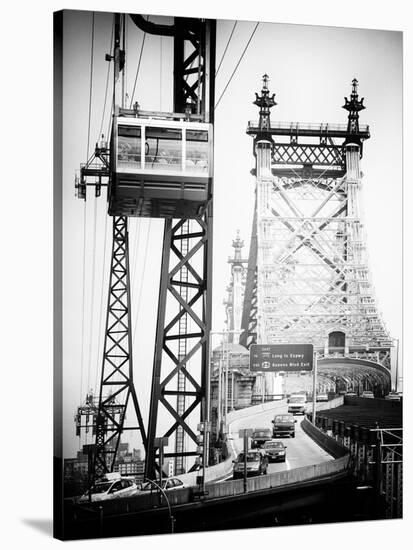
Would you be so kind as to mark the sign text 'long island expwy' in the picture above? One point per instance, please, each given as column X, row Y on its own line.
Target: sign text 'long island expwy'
column 281, row 357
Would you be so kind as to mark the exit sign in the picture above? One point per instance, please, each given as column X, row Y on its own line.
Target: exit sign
column 281, row 357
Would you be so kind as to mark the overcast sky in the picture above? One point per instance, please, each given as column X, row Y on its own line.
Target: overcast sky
column 310, row 71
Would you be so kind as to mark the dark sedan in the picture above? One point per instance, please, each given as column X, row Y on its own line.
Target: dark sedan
column 275, row 451
column 259, row 437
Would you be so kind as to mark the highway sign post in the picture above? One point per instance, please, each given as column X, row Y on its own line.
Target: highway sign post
column 245, row 433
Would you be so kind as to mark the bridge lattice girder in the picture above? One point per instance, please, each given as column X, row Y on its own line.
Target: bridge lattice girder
column 312, row 272
column 308, row 265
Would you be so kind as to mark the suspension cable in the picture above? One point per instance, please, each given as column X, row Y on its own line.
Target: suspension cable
column 226, row 47
column 236, row 66
column 139, row 65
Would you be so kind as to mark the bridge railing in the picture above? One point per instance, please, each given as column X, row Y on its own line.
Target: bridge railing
column 227, row 489
column 280, row 479
column 307, row 126
column 335, row 467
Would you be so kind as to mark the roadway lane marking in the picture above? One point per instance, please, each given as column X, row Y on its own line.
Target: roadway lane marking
column 287, row 464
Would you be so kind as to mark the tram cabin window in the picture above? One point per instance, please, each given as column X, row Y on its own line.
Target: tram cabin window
column 196, row 151
column 129, row 146
column 150, row 146
column 163, row 148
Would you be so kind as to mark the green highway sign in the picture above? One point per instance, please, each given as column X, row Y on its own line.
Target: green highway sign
column 281, row 357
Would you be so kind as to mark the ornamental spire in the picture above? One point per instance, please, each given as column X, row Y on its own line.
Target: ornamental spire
column 237, row 244
column 353, row 107
column 265, row 102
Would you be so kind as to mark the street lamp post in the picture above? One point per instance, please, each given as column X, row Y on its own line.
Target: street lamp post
column 160, row 443
column 226, row 379
column 314, row 385
column 222, row 407
column 232, row 390
column 397, row 365
column 219, row 395
column 171, row 518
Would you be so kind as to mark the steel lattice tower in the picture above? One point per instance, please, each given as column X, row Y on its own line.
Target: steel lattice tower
column 308, row 268
column 180, row 376
column 117, row 389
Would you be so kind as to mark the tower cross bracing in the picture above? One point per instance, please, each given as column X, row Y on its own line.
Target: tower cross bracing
column 312, row 276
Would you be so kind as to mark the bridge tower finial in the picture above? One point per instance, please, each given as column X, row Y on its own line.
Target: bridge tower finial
column 353, row 106
column 237, row 245
column 265, row 102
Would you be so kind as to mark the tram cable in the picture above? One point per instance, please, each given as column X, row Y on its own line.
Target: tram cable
column 110, row 119
column 90, row 83
column 138, row 305
column 101, row 304
column 85, row 212
column 83, row 303
column 236, row 66
column 138, row 68
column 135, row 256
column 107, row 84
column 136, row 247
column 226, row 48
column 92, row 302
column 125, row 48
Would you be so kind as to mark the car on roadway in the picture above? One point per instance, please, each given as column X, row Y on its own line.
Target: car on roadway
column 368, row 394
column 260, row 436
column 275, row 450
column 283, row 425
column 256, row 461
column 321, row 397
column 278, row 397
column 168, row 484
column 296, row 403
column 350, row 394
column 393, row 396
column 110, row 489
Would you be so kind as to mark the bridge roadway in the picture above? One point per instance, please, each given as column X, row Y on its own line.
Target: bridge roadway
column 309, row 482
column 355, row 371
column 301, row 450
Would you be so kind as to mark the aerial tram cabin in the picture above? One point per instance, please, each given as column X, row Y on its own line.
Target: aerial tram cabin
column 159, row 168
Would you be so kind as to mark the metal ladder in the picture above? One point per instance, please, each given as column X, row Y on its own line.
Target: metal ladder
column 180, row 463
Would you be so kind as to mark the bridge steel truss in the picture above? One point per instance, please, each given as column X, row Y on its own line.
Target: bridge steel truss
column 117, row 398
column 185, row 294
column 178, row 396
column 308, row 250
column 181, row 347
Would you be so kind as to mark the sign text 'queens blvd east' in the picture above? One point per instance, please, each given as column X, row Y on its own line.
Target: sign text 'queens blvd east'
column 281, row 357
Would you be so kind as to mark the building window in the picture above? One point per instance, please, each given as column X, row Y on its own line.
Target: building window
column 336, row 339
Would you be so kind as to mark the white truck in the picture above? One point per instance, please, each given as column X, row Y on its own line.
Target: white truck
column 296, row 403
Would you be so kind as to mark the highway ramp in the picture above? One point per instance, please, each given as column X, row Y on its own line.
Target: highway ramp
column 301, row 450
